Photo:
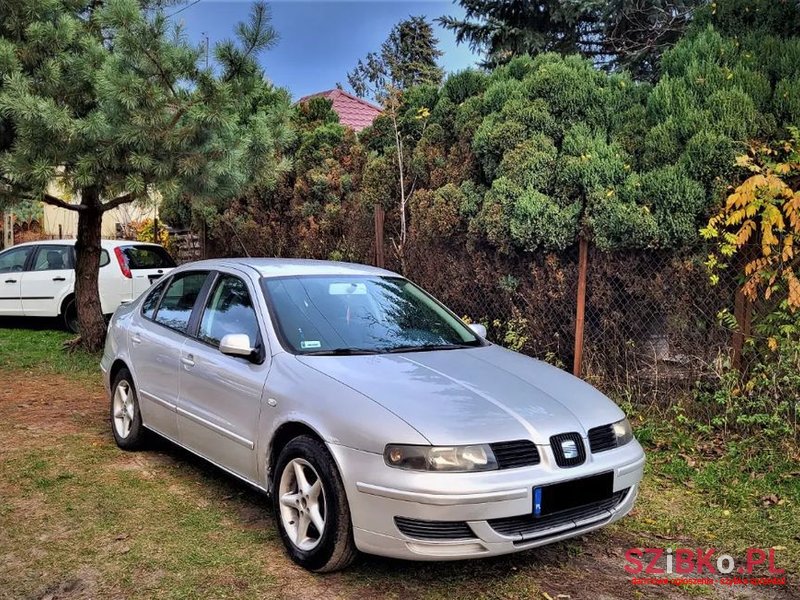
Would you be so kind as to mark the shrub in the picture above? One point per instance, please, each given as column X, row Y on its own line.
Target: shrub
column 676, row 202
column 537, row 221
column 532, row 164
column 461, row 86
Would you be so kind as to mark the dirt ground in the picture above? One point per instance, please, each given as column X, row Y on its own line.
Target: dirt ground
column 81, row 519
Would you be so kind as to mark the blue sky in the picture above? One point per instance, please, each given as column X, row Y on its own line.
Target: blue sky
column 321, row 40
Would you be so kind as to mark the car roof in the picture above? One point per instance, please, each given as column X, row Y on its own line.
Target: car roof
column 282, row 267
column 103, row 243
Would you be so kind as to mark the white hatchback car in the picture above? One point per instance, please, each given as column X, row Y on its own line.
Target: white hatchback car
column 37, row 279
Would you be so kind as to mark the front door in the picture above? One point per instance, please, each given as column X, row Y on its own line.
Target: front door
column 220, row 395
column 12, row 266
column 49, row 280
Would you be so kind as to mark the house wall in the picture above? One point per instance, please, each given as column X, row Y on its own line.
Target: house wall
column 53, row 217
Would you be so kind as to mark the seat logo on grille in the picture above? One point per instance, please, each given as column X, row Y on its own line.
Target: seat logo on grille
column 570, row 449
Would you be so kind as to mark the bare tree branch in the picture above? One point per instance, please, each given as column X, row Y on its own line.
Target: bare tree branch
column 53, row 201
column 118, row 201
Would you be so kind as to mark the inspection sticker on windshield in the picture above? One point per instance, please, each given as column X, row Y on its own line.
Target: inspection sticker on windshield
column 305, row 345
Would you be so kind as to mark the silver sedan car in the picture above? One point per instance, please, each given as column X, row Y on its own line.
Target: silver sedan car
column 373, row 416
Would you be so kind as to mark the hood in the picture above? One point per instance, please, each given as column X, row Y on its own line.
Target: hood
column 476, row 395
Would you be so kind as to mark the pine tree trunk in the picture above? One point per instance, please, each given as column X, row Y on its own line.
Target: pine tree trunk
column 87, row 265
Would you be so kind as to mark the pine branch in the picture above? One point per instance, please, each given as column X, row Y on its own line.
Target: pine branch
column 118, row 201
column 53, row 201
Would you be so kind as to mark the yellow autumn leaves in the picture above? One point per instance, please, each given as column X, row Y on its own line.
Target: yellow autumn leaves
column 761, row 220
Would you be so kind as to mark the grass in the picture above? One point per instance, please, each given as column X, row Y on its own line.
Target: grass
column 735, row 494
column 80, row 518
column 42, row 351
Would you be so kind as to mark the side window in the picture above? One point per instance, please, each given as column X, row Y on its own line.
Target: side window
column 229, row 310
column 14, row 260
column 176, row 305
column 104, row 258
column 53, row 258
column 150, row 303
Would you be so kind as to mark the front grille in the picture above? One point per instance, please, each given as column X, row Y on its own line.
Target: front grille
column 528, row 526
column 556, row 442
column 519, row 453
column 434, row 530
column 602, row 438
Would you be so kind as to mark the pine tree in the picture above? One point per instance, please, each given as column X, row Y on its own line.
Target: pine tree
column 407, row 58
column 104, row 100
column 615, row 34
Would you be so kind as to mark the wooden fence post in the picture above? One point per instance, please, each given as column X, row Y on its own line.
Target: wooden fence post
column 742, row 312
column 8, row 229
column 580, row 312
column 379, row 218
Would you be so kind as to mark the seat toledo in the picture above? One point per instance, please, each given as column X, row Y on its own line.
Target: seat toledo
column 373, row 416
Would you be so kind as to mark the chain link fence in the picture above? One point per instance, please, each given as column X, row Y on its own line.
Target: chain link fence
column 652, row 330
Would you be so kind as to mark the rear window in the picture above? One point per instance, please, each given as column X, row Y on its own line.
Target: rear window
column 147, row 257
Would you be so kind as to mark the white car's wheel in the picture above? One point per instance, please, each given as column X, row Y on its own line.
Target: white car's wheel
column 126, row 420
column 70, row 316
column 311, row 507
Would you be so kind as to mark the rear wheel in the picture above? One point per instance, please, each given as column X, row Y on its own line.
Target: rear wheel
column 311, row 507
column 69, row 315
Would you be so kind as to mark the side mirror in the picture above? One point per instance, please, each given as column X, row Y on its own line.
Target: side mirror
column 478, row 329
column 236, row 344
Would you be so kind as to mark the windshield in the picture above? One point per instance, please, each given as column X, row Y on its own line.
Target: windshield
column 147, row 257
column 361, row 314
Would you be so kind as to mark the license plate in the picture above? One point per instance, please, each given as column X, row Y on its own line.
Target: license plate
column 153, row 278
column 548, row 499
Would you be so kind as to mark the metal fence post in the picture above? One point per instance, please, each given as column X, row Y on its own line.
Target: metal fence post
column 580, row 312
column 379, row 218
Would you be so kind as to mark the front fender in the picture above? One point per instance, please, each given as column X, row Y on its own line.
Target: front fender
column 296, row 393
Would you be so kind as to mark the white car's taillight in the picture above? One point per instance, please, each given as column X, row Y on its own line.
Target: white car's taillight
column 123, row 263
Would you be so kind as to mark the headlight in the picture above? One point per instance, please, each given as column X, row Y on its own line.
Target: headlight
column 623, row 432
column 477, row 457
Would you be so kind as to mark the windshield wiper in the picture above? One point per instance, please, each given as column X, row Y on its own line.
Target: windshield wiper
column 341, row 352
column 426, row 347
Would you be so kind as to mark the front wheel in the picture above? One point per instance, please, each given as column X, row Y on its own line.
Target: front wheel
column 126, row 419
column 311, row 507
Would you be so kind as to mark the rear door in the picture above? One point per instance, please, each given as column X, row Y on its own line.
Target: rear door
column 155, row 338
column 13, row 263
column 146, row 264
column 220, row 395
column 114, row 287
column 48, row 281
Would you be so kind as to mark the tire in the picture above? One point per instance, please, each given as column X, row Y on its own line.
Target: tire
column 333, row 548
column 69, row 315
column 126, row 418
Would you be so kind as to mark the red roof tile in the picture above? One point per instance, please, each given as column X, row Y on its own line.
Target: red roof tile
column 354, row 112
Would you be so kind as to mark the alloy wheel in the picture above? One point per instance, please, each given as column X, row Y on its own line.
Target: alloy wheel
column 302, row 504
column 123, row 409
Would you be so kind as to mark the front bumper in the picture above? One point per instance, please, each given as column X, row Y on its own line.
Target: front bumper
column 378, row 493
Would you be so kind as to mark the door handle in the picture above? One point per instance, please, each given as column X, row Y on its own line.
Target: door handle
column 188, row 360
column 59, row 278
column 135, row 339
column 11, row 281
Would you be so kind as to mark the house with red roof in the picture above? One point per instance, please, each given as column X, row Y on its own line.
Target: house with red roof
column 354, row 112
